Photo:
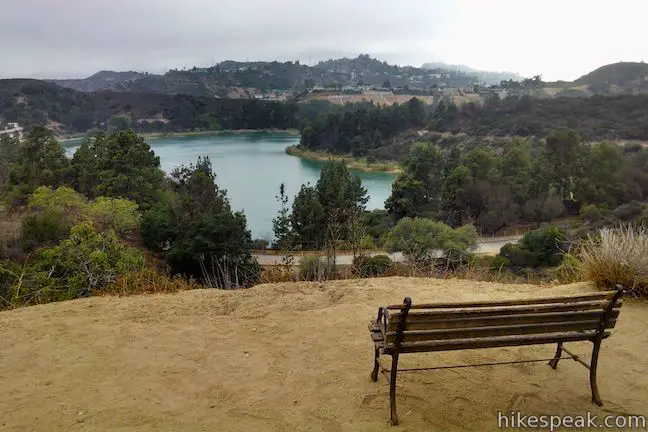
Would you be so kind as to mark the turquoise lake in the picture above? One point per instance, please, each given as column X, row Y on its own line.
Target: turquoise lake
column 251, row 167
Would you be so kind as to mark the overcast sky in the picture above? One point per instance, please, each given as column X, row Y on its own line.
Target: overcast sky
column 560, row 39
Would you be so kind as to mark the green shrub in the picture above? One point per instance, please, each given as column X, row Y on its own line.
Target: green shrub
column 62, row 200
column 499, row 262
column 367, row 243
column 118, row 214
column 591, row 213
column 540, row 248
column 617, row 256
column 420, row 239
column 367, row 266
column 312, row 268
column 43, row 229
column 87, row 261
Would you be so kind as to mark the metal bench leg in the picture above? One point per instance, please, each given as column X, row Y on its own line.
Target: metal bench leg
column 392, row 390
column 596, row 398
column 374, row 374
column 554, row 361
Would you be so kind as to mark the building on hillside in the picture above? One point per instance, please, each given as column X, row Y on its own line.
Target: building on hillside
column 13, row 130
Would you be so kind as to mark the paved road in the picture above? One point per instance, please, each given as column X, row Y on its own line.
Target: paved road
column 485, row 246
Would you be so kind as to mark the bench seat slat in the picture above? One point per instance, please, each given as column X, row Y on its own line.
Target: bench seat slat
column 485, row 332
column 491, row 342
column 485, row 321
column 606, row 295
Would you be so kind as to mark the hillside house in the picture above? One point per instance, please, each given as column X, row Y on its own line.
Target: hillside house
column 13, row 130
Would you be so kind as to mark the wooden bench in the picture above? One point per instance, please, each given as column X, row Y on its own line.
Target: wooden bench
column 417, row 328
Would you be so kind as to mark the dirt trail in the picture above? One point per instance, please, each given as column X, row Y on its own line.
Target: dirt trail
column 285, row 357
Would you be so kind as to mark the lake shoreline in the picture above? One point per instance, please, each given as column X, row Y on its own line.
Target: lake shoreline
column 148, row 135
column 360, row 164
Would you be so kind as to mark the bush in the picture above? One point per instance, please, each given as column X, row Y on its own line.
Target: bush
column 63, row 200
column 118, row 214
column 617, row 256
column 86, row 262
column 419, row 239
column 540, row 248
column 499, row 262
column 366, row 266
column 43, row 229
column 367, row 243
column 312, row 268
column 591, row 213
column 260, row 244
column 629, row 211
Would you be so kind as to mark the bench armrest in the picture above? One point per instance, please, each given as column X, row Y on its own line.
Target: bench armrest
column 382, row 319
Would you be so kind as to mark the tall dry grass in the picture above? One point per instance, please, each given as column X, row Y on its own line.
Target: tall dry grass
column 618, row 256
column 148, row 281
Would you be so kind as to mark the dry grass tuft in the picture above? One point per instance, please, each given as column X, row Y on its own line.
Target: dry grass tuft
column 10, row 228
column 148, row 281
column 619, row 256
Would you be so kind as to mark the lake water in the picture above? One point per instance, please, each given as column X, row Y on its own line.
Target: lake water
column 251, row 167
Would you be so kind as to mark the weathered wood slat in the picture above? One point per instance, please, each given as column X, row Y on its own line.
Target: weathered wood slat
column 605, row 295
column 495, row 311
column 493, row 342
column 486, row 332
column 484, row 321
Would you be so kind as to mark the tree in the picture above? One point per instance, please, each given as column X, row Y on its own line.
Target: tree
column 419, row 239
column 602, row 181
column 308, row 220
column 515, row 168
column 119, row 165
column 340, row 193
column 281, row 224
column 40, row 161
column 204, row 238
column 563, row 150
column 454, row 208
column 418, row 190
column 407, row 198
column 8, row 151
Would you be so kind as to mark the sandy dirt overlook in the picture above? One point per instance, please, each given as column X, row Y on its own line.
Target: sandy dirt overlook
column 285, row 357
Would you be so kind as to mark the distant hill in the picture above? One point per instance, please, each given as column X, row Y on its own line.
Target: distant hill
column 260, row 77
column 30, row 102
column 617, row 78
column 104, row 80
column 487, row 77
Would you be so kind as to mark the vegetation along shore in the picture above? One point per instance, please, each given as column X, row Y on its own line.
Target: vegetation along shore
column 361, row 164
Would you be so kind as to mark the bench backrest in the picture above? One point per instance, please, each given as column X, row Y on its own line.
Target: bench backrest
column 445, row 326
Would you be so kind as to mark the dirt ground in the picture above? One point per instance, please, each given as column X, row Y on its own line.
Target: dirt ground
column 286, row 357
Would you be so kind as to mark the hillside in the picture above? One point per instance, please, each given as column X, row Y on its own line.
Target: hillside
column 104, row 80
column 487, row 77
column 30, row 102
column 219, row 80
column 285, row 357
column 617, row 78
